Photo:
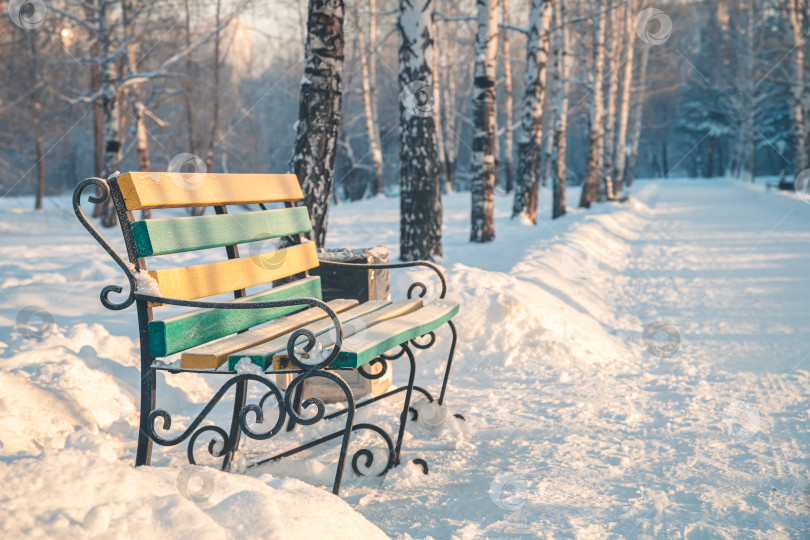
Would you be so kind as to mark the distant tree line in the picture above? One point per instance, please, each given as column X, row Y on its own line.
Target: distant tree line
column 407, row 98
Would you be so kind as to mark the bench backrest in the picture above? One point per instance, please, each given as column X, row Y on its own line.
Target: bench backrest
column 156, row 237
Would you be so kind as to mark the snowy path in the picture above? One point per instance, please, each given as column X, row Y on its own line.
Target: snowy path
column 574, row 428
column 711, row 441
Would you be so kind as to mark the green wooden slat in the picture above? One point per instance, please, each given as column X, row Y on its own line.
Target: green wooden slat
column 387, row 335
column 162, row 236
column 262, row 355
column 181, row 332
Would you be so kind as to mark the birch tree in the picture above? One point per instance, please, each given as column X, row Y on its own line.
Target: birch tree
column 641, row 96
column 560, row 112
column 449, row 108
column 531, row 111
column 420, row 193
column 624, row 103
column 592, row 181
column 313, row 159
column 795, row 13
column 482, row 167
column 508, row 104
column 366, row 59
column 608, row 140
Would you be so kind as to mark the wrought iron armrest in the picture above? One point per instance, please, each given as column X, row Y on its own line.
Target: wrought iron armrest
column 128, row 268
column 383, row 266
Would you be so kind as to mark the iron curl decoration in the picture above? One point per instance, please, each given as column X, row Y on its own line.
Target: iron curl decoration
column 226, row 443
column 368, row 455
column 102, row 185
column 393, row 356
column 194, row 430
column 319, row 406
column 385, row 266
column 429, row 344
column 374, row 376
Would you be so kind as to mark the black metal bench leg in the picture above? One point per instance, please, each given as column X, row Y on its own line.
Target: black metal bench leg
column 449, row 362
column 143, row 455
column 236, row 428
column 403, row 419
column 297, row 396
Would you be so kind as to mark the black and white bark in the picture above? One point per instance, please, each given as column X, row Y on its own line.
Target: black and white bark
column 110, row 107
column 482, row 168
column 530, row 136
column 796, row 18
column 449, row 109
column 635, row 137
column 592, row 183
column 313, row 159
column 366, row 58
column 613, row 53
column 508, row 103
column 420, row 192
column 560, row 112
column 624, row 104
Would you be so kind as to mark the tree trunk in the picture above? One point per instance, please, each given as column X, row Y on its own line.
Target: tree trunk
column 36, row 114
column 482, row 167
column 189, row 83
column 368, row 107
column 98, row 113
column 592, row 184
column 641, row 96
column 508, row 105
column 561, row 113
column 110, row 108
column 420, row 193
column 795, row 16
column 613, row 90
column 531, row 114
column 437, row 111
column 313, row 159
column 624, row 108
column 144, row 163
column 449, row 111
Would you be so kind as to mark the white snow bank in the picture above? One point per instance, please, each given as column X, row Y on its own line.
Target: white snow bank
column 82, row 493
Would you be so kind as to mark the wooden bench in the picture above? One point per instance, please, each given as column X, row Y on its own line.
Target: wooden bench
column 281, row 329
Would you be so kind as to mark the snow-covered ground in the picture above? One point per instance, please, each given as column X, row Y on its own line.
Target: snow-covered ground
column 577, row 425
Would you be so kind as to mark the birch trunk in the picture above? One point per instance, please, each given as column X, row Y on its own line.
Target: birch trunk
column 531, row 115
column 437, row 114
column 36, row 113
column 614, row 56
column 313, row 159
column 111, row 112
column 482, row 167
column 641, row 96
column 98, row 116
column 144, row 163
column 189, row 83
column 561, row 114
column 508, row 103
column 420, row 193
column 449, row 112
column 368, row 107
column 624, row 108
column 591, row 185
column 795, row 16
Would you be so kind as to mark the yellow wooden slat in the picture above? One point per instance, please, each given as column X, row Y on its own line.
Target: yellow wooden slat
column 143, row 190
column 214, row 354
column 198, row 281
